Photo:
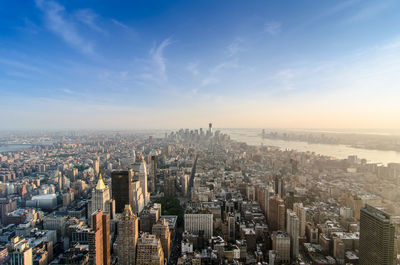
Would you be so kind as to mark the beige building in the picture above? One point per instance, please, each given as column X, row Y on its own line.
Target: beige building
column 127, row 237
column 281, row 246
column 149, row 251
column 161, row 230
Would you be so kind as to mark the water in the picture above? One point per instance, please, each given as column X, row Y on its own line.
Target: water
column 14, row 147
column 252, row 137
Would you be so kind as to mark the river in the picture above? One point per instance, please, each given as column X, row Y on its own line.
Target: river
column 252, row 137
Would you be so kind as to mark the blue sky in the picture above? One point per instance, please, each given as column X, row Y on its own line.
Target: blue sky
column 171, row 64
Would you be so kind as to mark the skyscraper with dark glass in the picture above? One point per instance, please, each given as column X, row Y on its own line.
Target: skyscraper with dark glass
column 121, row 187
column 376, row 237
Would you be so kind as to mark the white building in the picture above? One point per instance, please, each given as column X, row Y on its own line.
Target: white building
column 137, row 197
column 301, row 212
column 143, row 182
column 197, row 220
column 101, row 199
column 292, row 228
column 281, row 246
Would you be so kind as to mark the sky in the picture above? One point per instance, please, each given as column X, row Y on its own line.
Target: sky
column 90, row 64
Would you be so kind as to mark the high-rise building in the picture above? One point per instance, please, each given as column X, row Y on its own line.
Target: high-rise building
column 96, row 166
column 376, row 237
column 137, row 197
column 277, row 212
column 169, row 186
column 99, row 239
column 281, row 246
column 149, row 250
column 149, row 216
column 19, row 252
column 301, row 211
column 127, row 237
column 153, row 172
column 199, row 221
column 292, row 228
column 143, row 181
column 121, row 183
column 161, row 230
column 101, row 200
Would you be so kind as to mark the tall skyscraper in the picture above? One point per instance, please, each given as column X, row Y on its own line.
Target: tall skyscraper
column 281, row 246
column 127, row 237
column 143, row 181
column 101, row 199
column 292, row 228
column 121, row 183
column 376, row 237
column 161, row 230
column 99, row 239
column 301, row 211
column 153, row 172
column 96, row 166
column 276, row 215
column 149, row 250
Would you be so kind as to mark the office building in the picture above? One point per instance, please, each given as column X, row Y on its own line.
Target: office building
column 281, row 246
column 127, row 237
column 376, row 237
column 149, row 250
column 121, row 183
column 276, row 215
column 143, row 181
column 161, row 230
column 19, row 252
column 99, row 239
column 199, row 221
column 292, row 228
column 101, row 200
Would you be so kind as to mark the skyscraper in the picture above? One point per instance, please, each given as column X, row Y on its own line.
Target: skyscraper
column 127, row 237
column 99, row 239
column 101, row 199
column 149, row 250
column 96, row 166
column 292, row 228
column 376, row 237
column 143, row 181
column 121, row 183
column 276, row 215
column 161, row 230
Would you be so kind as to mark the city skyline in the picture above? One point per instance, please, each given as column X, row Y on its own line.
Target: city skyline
column 176, row 64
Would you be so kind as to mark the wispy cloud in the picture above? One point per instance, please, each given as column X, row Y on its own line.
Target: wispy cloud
column 120, row 24
column 158, row 59
column 234, row 48
column 89, row 18
column 208, row 81
column 57, row 20
column 20, row 65
column 193, row 68
column 369, row 11
column 272, row 27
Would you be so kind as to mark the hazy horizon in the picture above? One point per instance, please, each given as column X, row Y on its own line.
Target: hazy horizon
column 181, row 64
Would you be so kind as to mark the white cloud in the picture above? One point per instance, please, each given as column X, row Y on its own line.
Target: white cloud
column 88, row 17
column 192, row 68
column 58, row 22
column 272, row 27
column 158, row 59
column 234, row 48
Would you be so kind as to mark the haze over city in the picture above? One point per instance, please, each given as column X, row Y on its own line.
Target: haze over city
column 174, row 64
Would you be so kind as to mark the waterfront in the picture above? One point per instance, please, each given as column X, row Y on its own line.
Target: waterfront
column 252, row 137
column 13, row 147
